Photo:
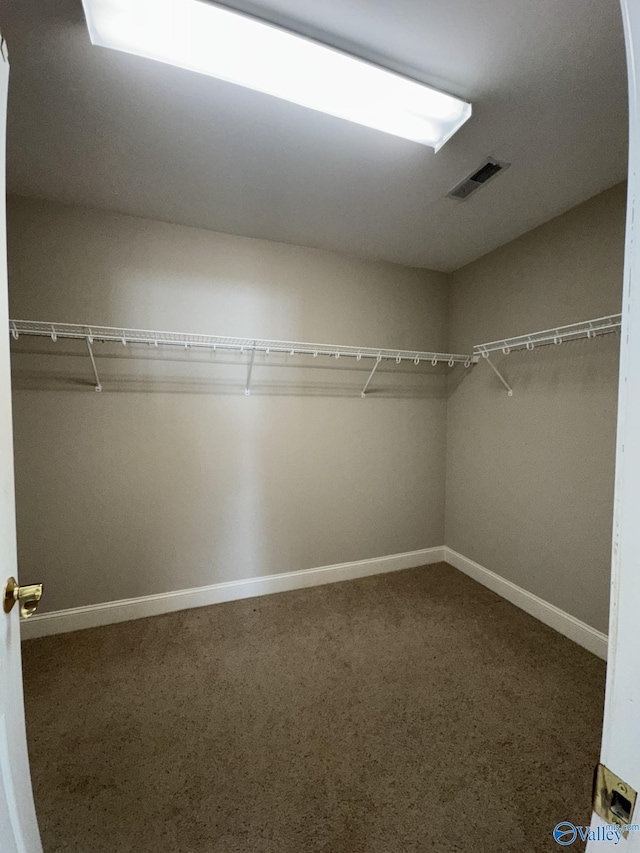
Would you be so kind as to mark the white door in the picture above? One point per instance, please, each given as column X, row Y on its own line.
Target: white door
column 621, row 732
column 18, row 826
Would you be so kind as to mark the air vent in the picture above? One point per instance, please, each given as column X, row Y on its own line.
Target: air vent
column 482, row 175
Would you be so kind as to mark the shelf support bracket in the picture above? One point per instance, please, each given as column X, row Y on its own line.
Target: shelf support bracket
column 247, row 388
column 499, row 375
column 363, row 393
column 93, row 364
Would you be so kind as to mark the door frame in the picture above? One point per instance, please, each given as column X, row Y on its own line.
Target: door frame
column 620, row 751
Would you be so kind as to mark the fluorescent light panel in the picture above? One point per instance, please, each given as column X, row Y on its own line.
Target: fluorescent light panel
column 213, row 40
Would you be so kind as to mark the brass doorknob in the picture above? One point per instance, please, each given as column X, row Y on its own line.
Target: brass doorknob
column 28, row 596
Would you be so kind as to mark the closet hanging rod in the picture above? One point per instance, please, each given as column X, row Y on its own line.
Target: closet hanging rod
column 124, row 336
column 556, row 335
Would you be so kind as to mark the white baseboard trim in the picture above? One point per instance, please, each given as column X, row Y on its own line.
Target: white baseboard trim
column 581, row 633
column 77, row 618
column 91, row 616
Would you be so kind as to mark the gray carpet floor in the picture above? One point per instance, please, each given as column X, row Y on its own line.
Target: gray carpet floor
column 414, row 711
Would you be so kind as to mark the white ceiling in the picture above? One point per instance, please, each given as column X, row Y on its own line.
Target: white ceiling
column 547, row 81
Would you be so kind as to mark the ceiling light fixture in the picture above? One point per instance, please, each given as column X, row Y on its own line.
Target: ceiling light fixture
column 213, row 40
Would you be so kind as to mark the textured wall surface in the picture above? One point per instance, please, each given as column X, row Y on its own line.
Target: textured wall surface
column 172, row 478
column 530, row 478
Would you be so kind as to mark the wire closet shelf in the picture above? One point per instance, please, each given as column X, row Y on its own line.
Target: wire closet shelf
column 250, row 346
column 574, row 331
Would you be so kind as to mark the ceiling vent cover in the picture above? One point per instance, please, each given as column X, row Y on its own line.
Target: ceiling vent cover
column 482, row 175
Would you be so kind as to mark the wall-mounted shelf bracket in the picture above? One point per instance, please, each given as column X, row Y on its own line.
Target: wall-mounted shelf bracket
column 363, row 393
column 486, row 358
column 247, row 389
column 93, row 363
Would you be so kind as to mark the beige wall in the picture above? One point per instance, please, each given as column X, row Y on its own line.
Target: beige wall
column 530, row 478
column 172, row 478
